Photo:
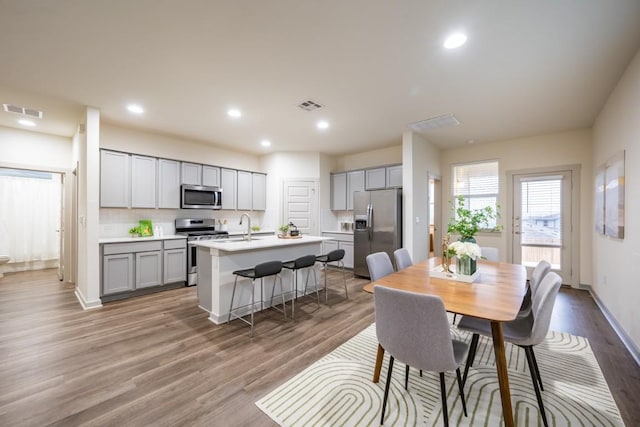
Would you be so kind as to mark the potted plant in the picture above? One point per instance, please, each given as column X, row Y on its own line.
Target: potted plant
column 134, row 232
column 467, row 222
column 284, row 230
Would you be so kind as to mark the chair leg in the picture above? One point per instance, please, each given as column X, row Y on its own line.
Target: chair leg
column 443, row 392
column 284, row 304
column 454, row 318
column 461, row 390
column 386, row 389
column 406, row 377
column 326, row 269
column 253, row 301
column 315, row 283
column 470, row 356
column 535, row 366
column 233, row 293
column 273, row 290
column 534, row 380
column 344, row 277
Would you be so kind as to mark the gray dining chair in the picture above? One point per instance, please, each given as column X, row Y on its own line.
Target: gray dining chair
column 524, row 332
column 537, row 275
column 490, row 254
column 379, row 265
column 414, row 329
column 403, row 258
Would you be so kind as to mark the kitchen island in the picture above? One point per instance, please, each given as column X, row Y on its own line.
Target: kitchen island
column 218, row 259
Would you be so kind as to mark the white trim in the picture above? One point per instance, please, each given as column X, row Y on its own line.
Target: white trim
column 626, row 339
column 86, row 305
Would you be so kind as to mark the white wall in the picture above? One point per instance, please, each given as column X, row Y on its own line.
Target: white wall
column 367, row 159
column 558, row 149
column 420, row 158
column 35, row 150
column 616, row 263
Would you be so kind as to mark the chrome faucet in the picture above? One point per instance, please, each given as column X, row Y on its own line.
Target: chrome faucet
column 248, row 235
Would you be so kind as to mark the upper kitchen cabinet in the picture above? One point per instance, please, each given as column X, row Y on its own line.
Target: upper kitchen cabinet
column 375, row 179
column 211, row 176
column 191, row 173
column 339, row 191
column 259, row 191
column 245, row 194
column 355, row 182
column 394, row 176
column 115, row 182
column 229, row 185
column 143, row 181
column 168, row 184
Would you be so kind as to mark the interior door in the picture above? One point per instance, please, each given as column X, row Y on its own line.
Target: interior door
column 542, row 221
column 60, row 230
column 300, row 201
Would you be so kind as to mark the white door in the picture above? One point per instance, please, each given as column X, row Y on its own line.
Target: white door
column 542, row 221
column 300, row 201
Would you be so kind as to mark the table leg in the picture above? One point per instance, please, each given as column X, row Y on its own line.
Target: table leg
column 503, row 376
column 378, row 368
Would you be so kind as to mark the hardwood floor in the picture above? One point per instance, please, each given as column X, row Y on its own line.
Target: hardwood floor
column 157, row 360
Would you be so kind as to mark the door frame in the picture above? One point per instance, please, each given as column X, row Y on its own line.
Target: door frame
column 575, row 169
column 315, row 210
column 437, row 211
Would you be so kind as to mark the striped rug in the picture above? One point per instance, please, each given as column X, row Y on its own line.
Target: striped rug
column 337, row 389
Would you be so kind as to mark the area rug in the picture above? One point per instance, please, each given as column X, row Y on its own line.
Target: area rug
column 337, row 390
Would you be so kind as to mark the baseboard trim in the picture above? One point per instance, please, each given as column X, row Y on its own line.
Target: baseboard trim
column 626, row 339
column 86, row 305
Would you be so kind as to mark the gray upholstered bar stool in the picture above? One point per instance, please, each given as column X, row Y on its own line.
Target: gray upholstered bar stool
column 304, row 262
column 335, row 255
column 260, row 271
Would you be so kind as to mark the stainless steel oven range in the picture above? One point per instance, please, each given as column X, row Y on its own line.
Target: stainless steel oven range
column 196, row 229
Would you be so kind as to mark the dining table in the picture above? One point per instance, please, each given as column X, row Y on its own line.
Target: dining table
column 495, row 294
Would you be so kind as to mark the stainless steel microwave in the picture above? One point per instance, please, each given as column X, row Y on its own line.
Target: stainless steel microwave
column 200, row 197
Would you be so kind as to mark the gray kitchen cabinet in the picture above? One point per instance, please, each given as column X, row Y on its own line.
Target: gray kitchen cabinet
column 148, row 269
column 340, row 241
column 211, row 176
column 168, row 184
column 348, row 253
column 143, row 181
column 355, row 182
column 339, row 191
column 394, row 176
column 244, row 199
column 175, row 261
column 191, row 173
column 117, row 273
column 259, row 188
column 115, row 183
column 375, row 178
column 229, row 185
column 329, row 245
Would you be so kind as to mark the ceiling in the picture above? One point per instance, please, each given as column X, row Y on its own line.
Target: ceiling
column 528, row 67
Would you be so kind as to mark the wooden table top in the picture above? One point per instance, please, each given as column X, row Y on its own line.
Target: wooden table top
column 496, row 295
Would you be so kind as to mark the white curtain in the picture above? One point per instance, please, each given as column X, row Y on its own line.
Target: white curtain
column 29, row 217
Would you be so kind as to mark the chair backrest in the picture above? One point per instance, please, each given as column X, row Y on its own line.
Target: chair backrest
column 268, row 268
column 304, row 261
column 414, row 329
column 379, row 265
column 335, row 255
column 538, row 274
column 489, row 253
column 403, row 258
column 542, row 304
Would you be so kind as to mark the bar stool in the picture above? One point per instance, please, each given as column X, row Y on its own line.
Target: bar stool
column 303, row 262
column 335, row 255
column 260, row 271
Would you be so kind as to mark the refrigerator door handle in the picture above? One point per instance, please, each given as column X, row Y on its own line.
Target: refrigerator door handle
column 370, row 221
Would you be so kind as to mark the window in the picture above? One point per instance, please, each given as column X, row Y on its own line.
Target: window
column 477, row 183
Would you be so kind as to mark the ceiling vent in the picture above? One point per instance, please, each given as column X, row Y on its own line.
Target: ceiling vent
column 309, row 105
column 23, row 111
column 435, row 123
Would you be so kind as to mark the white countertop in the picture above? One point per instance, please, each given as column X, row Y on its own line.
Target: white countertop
column 260, row 242
column 128, row 239
column 338, row 232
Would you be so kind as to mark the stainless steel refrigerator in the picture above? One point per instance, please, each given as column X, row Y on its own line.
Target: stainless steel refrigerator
column 377, row 220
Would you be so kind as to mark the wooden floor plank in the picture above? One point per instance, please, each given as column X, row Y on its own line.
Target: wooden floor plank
column 158, row 360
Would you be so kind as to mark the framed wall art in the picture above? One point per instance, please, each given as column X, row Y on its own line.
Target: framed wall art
column 613, row 196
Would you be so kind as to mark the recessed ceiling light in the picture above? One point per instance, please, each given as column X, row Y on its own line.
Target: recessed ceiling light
column 471, row 141
column 455, row 40
column 135, row 109
column 26, row 122
column 265, row 143
column 322, row 124
column 234, row 112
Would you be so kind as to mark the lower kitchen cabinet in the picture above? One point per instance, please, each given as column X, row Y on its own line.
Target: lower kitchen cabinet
column 148, row 269
column 117, row 273
column 341, row 241
column 175, row 261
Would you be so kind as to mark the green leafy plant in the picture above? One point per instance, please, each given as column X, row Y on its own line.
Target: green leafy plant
column 134, row 230
column 284, row 228
column 467, row 222
column 255, row 228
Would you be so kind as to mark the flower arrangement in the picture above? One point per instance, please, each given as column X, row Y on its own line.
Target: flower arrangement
column 467, row 222
column 466, row 249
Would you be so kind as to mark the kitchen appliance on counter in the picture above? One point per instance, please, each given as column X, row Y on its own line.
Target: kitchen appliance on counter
column 197, row 229
column 377, row 219
column 200, row 197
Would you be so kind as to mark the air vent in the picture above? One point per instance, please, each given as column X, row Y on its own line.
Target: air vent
column 435, row 123
column 309, row 105
column 29, row 112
